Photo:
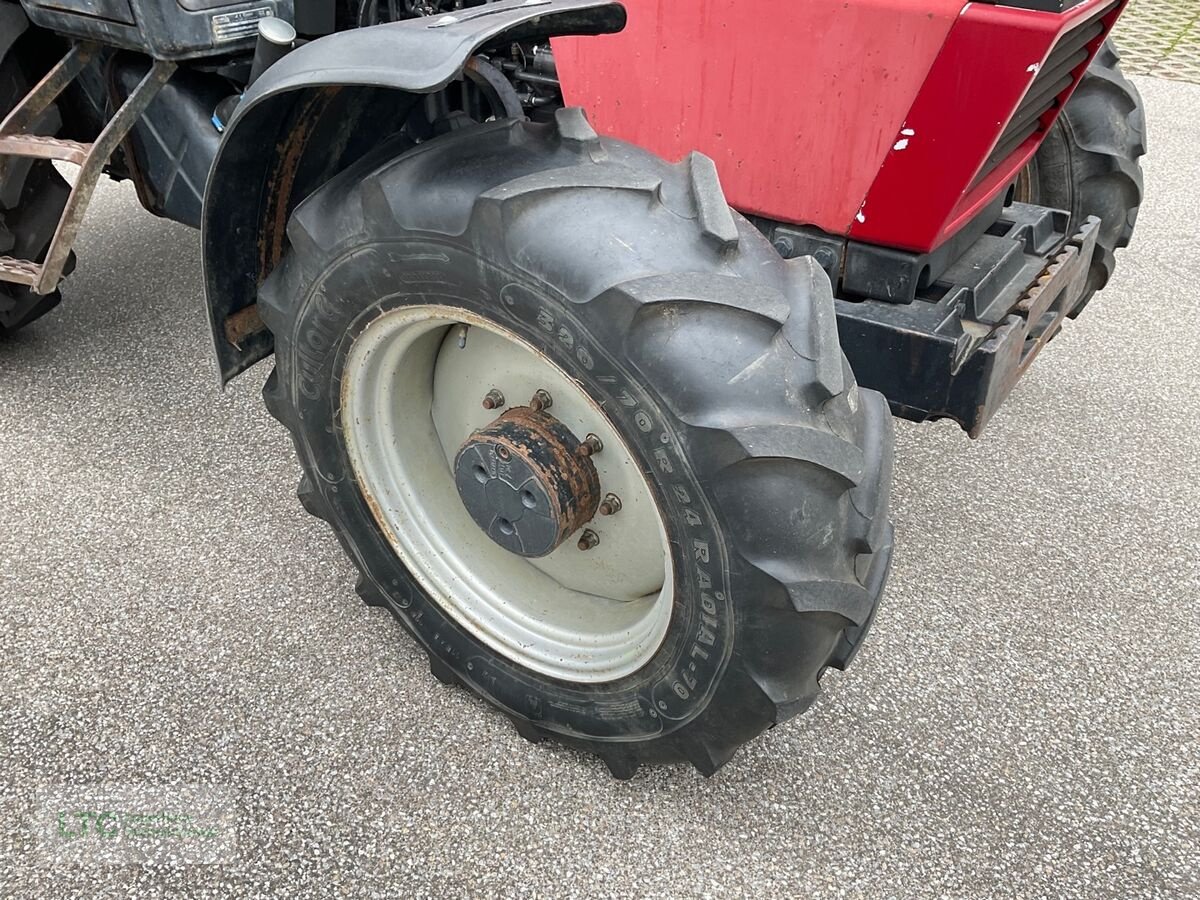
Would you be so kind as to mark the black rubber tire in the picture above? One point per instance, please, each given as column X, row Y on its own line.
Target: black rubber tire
column 1088, row 164
column 41, row 195
column 718, row 361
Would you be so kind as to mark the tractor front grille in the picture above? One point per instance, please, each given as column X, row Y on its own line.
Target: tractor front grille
column 1048, row 91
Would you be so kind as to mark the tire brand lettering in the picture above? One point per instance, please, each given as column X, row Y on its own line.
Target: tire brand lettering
column 313, row 343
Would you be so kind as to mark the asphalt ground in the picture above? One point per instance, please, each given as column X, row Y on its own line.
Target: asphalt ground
column 1022, row 723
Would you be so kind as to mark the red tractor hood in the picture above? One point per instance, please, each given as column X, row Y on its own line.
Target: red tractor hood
column 875, row 119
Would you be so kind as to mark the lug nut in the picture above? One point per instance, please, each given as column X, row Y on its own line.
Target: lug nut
column 493, row 400
column 588, row 539
column 541, row 400
column 590, row 446
column 610, row 505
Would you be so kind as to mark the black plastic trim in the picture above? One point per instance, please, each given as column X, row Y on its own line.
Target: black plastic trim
column 1056, row 6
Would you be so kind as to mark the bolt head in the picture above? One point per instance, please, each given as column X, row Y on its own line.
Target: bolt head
column 590, row 445
column 825, row 257
column 541, row 400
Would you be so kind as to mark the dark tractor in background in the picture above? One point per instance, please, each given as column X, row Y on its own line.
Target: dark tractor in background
column 617, row 455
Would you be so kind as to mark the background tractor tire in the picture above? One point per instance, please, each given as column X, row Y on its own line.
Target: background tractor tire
column 1088, row 164
column 32, row 198
column 716, row 361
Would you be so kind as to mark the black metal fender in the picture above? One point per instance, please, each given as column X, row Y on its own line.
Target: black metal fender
column 316, row 111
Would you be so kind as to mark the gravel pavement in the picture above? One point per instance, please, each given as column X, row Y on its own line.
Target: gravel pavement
column 1023, row 722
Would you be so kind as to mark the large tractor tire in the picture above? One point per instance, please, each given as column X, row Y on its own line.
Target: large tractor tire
column 32, row 197
column 1088, row 164
column 585, row 433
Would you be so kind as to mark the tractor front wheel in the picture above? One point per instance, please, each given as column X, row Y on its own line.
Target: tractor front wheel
column 1089, row 164
column 585, row 434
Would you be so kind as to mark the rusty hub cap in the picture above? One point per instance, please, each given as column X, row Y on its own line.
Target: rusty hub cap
column 525, row 482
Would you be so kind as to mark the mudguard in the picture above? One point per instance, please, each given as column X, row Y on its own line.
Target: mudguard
column 316, row 111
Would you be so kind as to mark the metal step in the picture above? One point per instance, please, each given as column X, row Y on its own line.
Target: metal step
column 36, row 146
column 19, row 271
column 16, row 141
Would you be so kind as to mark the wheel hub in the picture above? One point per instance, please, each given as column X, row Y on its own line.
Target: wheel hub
column 527, row 481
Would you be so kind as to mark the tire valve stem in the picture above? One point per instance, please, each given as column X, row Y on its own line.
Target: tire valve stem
column 590, row 446
column 610, row 505
column 541, row 400
column 588, row 539
column 462, row 336
column 493, row 399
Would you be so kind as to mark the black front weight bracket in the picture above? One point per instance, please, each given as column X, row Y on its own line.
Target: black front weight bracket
column 959, row 348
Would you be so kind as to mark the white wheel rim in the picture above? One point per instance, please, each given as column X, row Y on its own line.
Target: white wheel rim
column 410, row 397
